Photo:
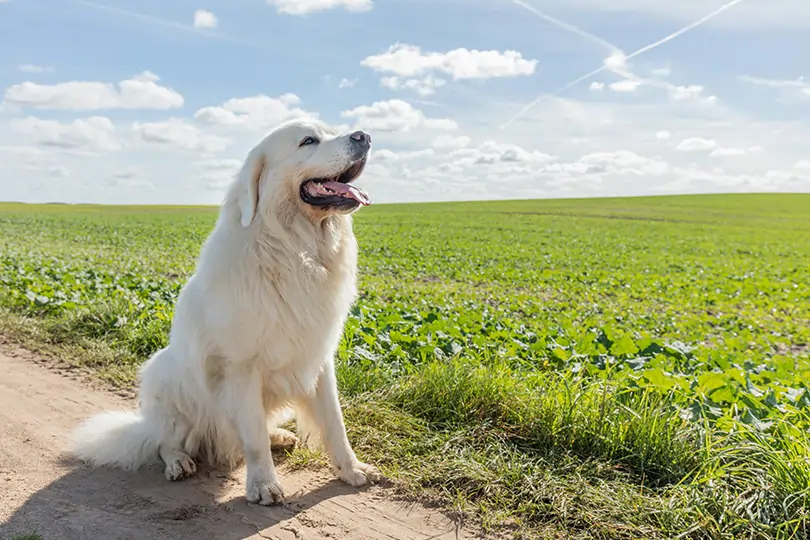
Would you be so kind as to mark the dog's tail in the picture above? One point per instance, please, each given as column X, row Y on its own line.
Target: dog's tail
column 115, row 438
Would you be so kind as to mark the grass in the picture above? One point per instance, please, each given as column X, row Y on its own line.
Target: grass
column 616, row 368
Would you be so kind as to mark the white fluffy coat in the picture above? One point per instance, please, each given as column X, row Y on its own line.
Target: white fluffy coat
column 255, row 331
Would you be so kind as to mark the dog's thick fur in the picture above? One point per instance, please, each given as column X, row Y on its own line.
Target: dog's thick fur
column 254, row 333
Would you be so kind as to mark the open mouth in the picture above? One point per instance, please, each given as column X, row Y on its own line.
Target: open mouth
column 336, row 191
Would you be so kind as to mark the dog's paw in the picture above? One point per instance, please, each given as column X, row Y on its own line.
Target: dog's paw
column 359, row 474
column 264, row 492
column 179, row 466
column 281, row 439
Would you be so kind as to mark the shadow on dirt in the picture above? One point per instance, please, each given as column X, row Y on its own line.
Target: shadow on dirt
column 96, row 504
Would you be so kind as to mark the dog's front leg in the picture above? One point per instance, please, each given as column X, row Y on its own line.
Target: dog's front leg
column 322, row 408
column 243, row 401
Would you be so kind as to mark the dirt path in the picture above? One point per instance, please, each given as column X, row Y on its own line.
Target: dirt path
column 42, row 490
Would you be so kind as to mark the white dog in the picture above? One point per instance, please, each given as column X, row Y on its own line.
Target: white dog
column 256, row 327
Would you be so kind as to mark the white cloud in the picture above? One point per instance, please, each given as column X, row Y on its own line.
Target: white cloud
column 93, row 134
column 128, row 178
column 480, row 173
column 257, row 112
column 205, row 19
column 217, row 174
column 491, row 152
column 450, row 142
column 140, row 92
column 597, row 86
column 302, row 7
column 406, row 60
column 216, row 182
column 625, row 86
column 33, row 159
column 696, row 144
column 662, row 72
column 33, row 68
column 59, row 171
column 424, row 87
column 775, row 83
column 728, row 152
column 347, row 83
column 494, row 169
column 178, row 133
column 391, row 83
column 21, row 153
column 782, row 181
column 623, row 162
column 566, row 147
column 799, row 85
column 803, row 165
column 396, row 115
column 230, row 165
column 385, row 154
column 617, row 63
column 681, row 93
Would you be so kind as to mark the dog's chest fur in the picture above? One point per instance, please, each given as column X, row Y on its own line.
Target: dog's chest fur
column 310, row 318
column 294, row 300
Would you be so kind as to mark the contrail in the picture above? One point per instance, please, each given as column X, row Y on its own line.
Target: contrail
column 165, row 23
column 150, row 19
column 565, row 26
column 692, row 26
column 647, row 48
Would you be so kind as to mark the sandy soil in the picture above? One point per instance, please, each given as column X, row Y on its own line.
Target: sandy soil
column 42, row 490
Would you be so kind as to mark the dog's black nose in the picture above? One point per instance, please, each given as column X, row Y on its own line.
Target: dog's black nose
column 361, row 138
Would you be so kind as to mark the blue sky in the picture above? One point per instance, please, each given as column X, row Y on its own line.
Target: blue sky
column 154, row 102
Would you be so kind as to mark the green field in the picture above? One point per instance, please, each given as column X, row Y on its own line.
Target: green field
column 616, row 368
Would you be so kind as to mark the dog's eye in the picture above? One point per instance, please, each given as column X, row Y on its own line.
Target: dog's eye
column 308, row 140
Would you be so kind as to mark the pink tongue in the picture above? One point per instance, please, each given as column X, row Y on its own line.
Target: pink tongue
column 348, row 190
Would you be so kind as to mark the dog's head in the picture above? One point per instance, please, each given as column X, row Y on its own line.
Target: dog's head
column 304, row 166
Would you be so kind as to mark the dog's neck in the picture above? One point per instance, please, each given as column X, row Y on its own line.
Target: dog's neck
column 321, row 242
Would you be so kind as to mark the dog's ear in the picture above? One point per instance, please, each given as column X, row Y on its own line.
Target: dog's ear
column 247, row 186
